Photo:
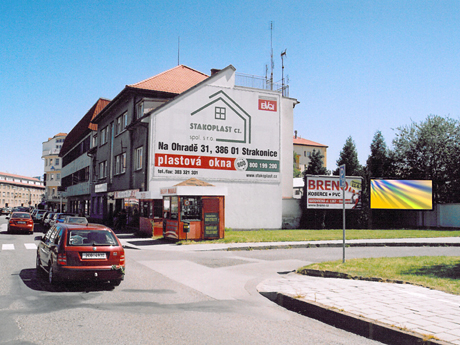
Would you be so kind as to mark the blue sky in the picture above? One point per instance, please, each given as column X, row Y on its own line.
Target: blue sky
column 355, row 66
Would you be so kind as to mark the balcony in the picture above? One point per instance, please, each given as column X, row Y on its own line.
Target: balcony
column 257, row 82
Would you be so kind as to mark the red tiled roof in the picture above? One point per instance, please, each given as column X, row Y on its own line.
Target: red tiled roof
column 176, row 80
column 82, row 126
column 306, row 142
column 19, row 176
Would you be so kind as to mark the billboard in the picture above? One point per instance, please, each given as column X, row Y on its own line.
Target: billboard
column 324, row 192
column 401, row 194
column 223, row 135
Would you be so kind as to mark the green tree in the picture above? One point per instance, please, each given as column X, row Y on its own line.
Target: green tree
column 378, row 163
column 296, row 172
column 316, row 165
column 349, row 157
column 430, row 150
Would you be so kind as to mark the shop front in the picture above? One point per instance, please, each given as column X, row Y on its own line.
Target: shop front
column 193, row 210
column 151, row 213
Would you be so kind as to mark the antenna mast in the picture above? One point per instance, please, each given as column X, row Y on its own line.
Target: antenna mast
column 271, row 55
column 178, row 50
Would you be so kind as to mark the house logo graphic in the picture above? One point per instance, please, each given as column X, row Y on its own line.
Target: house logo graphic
column 222, row 118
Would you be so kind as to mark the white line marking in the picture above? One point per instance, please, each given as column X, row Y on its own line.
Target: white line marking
column 30, row 245
column 7, row 246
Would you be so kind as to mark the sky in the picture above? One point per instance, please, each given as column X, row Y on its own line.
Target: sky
column 356, row 67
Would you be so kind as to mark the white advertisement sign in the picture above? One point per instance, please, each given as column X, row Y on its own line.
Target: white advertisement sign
column 324, row 192
column 219, row 135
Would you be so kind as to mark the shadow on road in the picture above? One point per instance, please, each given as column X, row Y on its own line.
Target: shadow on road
column 38, row 282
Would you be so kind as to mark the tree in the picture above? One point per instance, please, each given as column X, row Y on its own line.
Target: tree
column 378, row 163
column 296, row 172
column 315, row 166
column 349, row 157
column 430, row 150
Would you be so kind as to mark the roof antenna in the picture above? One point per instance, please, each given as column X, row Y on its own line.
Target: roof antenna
column 271, row 55
column 178, row 50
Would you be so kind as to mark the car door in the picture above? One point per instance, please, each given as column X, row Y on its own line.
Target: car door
column 47, row 245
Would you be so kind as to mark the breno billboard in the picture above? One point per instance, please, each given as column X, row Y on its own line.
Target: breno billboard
column 401, row 194
column 324, row 192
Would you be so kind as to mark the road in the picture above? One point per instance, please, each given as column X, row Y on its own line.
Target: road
column 168, row 297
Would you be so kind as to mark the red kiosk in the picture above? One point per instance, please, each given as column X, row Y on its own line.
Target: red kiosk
column 193, row 210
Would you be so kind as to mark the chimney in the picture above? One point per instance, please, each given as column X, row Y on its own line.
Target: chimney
column 214, row 71
column 295, row 134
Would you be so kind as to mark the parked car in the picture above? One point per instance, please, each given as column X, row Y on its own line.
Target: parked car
column 20, row 222
column 59, row 218
column 46, row 220
column 77, row 220
column 5, row 210
column 37, row 215
column 81, row 252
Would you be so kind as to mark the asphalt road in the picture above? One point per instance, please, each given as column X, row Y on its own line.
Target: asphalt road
column 168, row 297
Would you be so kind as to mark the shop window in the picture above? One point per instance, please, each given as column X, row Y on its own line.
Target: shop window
column 191, row 208
column 174, row 207
column 166, row 206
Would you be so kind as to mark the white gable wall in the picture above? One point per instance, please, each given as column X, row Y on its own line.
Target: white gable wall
column 207, row 133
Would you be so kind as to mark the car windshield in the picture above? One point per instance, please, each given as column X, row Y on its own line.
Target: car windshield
column 21, row 215
column 91, row 237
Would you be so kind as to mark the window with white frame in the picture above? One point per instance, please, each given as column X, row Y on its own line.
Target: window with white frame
column 139, row 157
column 140, row 110
column 103, row 169
column 104, row 135
column 120, row 164
column 94, row 140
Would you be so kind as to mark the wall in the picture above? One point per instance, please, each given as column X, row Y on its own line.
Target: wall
column 190, row 128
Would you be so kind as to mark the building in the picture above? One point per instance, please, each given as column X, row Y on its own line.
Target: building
column 304, row 149
column 183, row 123
column 120, row 156
column 53, row 163
column 76, row 163
column 16, row 190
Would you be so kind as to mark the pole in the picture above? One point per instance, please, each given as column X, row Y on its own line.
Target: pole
column 343, row 185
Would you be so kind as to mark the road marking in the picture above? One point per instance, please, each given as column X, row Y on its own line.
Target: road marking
column 11, row 246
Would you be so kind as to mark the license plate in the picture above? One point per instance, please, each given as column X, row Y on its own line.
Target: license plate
column 93, row 256
column 21, row 222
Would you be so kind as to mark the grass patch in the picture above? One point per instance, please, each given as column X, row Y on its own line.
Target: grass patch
column 436, row 272
column 232, row 236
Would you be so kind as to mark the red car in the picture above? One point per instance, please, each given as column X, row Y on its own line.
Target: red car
column 20, row 222
column 81, row 252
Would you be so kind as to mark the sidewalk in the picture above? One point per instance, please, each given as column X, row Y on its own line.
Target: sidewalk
column 389, row 313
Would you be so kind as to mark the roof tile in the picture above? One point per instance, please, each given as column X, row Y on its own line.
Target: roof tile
column 176, row 80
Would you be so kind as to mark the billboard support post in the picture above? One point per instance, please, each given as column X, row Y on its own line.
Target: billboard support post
column 342, row 185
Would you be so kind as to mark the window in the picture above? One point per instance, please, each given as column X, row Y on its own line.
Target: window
column 57, row 161
column 220, row 113
column 120, row 164
column 103, row 169
column 140, row 110
column 104, row 135
column 121, row 123
column 94, row 140
column 139, row 158
column 125, row 120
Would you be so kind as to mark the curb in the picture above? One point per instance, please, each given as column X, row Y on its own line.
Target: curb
column 360, row 325
column 364, row 244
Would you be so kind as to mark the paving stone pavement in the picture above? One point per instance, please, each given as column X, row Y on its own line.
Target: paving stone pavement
column 408, row 307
